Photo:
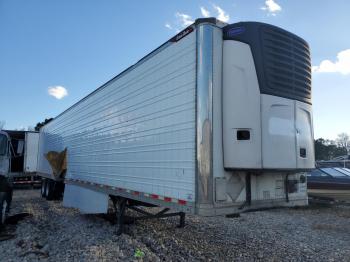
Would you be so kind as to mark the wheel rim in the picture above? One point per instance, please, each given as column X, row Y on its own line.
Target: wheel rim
column 3, row 212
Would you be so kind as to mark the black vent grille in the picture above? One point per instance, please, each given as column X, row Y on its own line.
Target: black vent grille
column 287, row 64
column 282, row 59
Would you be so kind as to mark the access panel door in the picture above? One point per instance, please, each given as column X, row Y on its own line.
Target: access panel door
column 241, row 108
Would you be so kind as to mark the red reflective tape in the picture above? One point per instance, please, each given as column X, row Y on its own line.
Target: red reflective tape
column 182, row 202
column 154, row 196
column 167, row 199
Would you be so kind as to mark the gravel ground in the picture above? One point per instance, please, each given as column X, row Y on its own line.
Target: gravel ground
column 55, row 233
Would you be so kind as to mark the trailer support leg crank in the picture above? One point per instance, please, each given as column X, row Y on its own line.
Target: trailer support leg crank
column 182, row 219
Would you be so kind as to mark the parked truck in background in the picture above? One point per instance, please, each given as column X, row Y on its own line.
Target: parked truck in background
column 216, row 120
column 18, row 163
column 5, row 183
column 24, row 156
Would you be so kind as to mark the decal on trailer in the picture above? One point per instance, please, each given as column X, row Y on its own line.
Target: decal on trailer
column 182, row 34
column 235, row 31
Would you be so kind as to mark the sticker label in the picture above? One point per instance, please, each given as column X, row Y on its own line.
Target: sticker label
column 182, row 34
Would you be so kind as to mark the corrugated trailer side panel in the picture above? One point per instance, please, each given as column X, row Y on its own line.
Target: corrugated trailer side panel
column 138, row 131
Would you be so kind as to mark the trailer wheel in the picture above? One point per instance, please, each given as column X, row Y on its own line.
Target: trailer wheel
column 49, row 189
column 43, row 188
column 59, row 190
column 3, row 208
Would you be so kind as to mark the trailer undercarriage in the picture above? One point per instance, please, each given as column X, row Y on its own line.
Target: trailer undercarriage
column 121, row 204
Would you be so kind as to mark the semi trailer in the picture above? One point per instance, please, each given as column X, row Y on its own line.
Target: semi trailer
column 215, row 121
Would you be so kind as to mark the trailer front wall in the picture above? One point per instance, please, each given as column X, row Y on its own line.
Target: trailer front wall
column 138, row 131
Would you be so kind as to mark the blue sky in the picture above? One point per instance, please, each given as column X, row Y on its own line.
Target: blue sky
column 78, row 45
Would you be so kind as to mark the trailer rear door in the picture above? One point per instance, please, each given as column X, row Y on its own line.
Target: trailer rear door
column 31, row 152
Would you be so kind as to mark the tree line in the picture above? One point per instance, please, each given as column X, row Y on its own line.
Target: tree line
column 326, row 149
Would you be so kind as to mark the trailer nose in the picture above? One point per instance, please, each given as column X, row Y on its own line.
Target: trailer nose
column 267, row 116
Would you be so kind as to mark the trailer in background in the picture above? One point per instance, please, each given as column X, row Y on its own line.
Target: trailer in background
column 215, row 121
column 6, row 186
column 18, row 164
column 24, row 157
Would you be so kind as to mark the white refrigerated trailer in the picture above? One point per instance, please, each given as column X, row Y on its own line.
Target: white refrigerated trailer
column 216, row 120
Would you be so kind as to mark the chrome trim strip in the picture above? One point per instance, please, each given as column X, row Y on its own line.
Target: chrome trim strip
column 204, row 178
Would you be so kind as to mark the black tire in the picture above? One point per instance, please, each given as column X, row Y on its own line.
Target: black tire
column 50, row 190
column 4, row 207
column 59, row 189
column 43, row 188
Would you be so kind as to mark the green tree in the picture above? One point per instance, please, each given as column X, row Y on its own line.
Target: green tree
column 343, row 140
column 328, row 149
column 41, row 124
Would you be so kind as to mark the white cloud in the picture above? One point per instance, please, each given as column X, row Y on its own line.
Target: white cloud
column 221, row 14
column 57, row 91
column 341, row 65
column 167, row 25
column 272, row 7
column 314, row 68
column 205, row 12
column 184, row 20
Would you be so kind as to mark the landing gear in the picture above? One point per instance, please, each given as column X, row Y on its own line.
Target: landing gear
column 121, row 204
column 182, row 219
column 120, row 215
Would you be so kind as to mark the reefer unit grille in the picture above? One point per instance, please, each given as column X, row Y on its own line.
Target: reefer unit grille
column 287, row 64
column 282, row 59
